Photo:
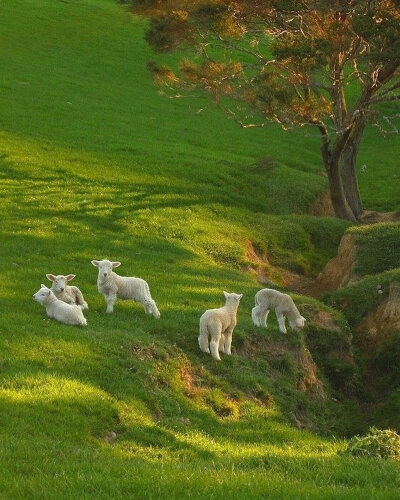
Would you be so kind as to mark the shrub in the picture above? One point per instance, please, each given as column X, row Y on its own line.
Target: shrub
column 377, row 444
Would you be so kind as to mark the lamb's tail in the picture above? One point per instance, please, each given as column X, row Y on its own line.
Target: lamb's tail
column 203, row 336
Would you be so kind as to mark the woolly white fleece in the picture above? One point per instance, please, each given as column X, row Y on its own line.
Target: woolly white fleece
column 66, row 293
column 219, row 323
column 59, row 310
column 281, row 303
column 113, row 286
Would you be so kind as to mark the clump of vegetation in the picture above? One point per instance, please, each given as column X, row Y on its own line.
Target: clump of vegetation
column 377, row 247
column 329, row 339
column 221, row 406
column 356, row 299
column 377, row 443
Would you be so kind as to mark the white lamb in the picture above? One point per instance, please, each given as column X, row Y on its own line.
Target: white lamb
column 59, row 310
column 219, row 323
column 283, row 305
column 67, row 293
column 113, row 286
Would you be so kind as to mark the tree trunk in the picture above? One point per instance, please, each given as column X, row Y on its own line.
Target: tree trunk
column 338, row 197
column 348, row 161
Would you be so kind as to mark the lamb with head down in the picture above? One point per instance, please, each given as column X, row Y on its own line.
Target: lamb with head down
column 283, row 305
column 113, row 286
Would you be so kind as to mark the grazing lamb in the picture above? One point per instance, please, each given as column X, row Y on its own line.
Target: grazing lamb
column 113, row 286
column 66, row 293
column 219, row 323
column 283, row 305
column 59, row 310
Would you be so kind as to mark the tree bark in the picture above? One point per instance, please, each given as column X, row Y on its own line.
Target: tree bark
column 348, row 161
column 338, row 197
column 331, row 158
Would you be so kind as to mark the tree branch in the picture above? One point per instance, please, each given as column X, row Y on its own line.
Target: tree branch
column 383, row 95
column 326, row 154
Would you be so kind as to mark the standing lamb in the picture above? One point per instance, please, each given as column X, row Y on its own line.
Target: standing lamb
column 67, row 293
column 59, row 310
column 113, row 286
column 219, row 323
column 283, row 305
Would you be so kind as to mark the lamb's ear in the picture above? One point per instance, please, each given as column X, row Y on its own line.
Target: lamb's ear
column 96, row 263
column 304, row 319
column 70, row 277
column 50, row 277
column 226, row 294
column 116, row 264
column 240, row 296
column 43, row 286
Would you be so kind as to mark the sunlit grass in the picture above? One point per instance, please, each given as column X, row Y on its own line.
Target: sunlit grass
column 95, row 164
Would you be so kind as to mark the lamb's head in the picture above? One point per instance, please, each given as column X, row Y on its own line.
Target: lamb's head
column 298, row 323
column 60, row 281
column 105, row 267
column 43, row 294
column 233, row 298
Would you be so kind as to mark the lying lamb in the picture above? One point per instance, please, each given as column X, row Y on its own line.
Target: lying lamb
column 66, row 293
column 113, row 286
column 283, row 305
column 219, row 323
column 59, row 310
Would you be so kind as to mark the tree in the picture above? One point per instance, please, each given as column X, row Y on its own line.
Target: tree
column 325, row 64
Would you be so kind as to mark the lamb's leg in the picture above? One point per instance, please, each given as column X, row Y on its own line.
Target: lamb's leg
column 151, row 308
column 215, row 331
column 203, row 337
column 49, row 312
column 255, row 315
column 264, row 317
column 221, row 346
column 80, row 301
column 214, row 349
column 146, row 306
column 144, row 298
column 110, row 299
column 281, row 321
column 228, row 341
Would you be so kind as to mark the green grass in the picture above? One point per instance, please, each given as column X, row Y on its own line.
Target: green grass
column 94, row 163
column 379, row 177
column 359, row 297
column 377, row 248
column 377, row 265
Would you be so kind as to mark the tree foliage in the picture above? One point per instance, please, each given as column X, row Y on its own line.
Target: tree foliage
column 295, row 62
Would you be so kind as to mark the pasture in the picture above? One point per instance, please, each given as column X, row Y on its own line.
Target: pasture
column 95, row 163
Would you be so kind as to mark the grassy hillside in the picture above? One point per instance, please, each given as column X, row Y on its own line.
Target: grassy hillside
column 371, row 306
column 95, row 164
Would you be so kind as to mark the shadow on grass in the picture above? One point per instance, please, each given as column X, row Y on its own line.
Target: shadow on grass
column 46, row 195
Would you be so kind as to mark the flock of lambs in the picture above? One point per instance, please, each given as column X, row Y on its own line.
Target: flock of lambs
column 65, row 303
